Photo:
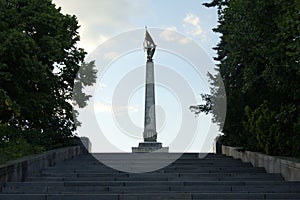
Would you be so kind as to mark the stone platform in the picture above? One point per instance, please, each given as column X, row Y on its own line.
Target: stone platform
column 146, row 147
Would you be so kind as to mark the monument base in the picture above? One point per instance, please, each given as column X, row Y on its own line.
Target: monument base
column 150, row 147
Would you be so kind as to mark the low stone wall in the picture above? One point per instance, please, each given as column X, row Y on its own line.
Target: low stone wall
column 86, row 143
column 288, row 167
column 18, row 170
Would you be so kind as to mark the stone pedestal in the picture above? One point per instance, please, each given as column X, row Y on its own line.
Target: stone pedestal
column 150, row 147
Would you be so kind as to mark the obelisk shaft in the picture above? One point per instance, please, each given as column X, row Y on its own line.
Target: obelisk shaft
column 150, row 133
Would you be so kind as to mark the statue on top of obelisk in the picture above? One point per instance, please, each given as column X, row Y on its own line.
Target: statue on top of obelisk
column 149, row 46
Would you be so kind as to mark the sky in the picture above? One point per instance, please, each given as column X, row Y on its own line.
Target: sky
column 112, row 32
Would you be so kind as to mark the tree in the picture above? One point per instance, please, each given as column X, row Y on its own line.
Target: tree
column 258, row 59
column 39, row 62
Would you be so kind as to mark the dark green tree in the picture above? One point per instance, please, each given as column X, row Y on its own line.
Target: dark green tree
column 39, row 62
column 258, row 59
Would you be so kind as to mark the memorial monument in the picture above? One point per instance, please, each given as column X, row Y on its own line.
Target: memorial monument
column 150, row 143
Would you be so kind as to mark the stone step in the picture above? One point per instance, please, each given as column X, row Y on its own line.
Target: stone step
column 56, row 179
column 261, row 178
column 218, row 172
column 154, row 196
column 151, row 183
column 207, row 164
column 162, row 175
column 158, row 174
column 191, row 167
column 172, row 170
column 165, row 171
column 141, row 158
column 200, row 161
column 168, row 163
column 152, row 156
column 151, row 189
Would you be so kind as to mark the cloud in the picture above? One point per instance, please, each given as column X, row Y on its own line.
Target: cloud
column 100, row 107
column 102, row 39
column 101, row 19
column 169, row 35
column 103, row 107
column 111, row 55
column 191, row 23
column 101, row 86
column 185, row 40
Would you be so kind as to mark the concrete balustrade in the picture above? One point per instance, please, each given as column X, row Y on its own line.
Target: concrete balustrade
column 289, row 168
column 19, row 170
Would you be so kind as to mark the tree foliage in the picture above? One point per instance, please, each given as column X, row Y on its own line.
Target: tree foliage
column 259, row 55
column 39, row 61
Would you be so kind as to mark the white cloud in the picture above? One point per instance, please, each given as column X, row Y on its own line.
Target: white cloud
column 134, row 108
column 170, row 35
column 102, row 39
column 103, row 107
column 100, row 19
column 101, row 86
column 100, row 107
column 191, row 23
column 185, row 40
column 111, row 55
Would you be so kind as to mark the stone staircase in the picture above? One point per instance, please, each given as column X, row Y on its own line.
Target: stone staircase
column 189, row 177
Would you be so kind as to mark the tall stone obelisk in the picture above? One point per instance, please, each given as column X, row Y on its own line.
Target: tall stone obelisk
column 150, row 134
column 150, row 143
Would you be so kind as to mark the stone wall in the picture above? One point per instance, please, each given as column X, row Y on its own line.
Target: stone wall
column 18, row 170
column 86, row 143
column 288, row 167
